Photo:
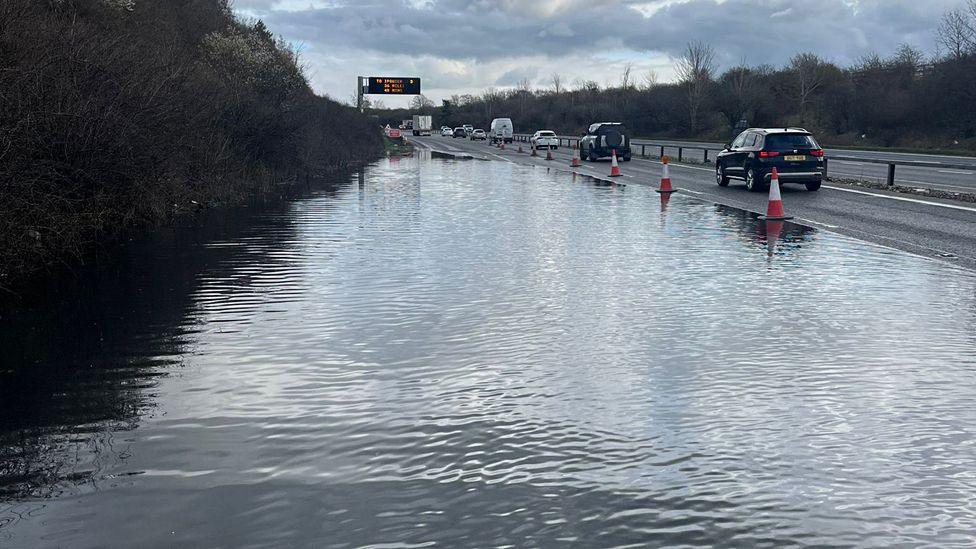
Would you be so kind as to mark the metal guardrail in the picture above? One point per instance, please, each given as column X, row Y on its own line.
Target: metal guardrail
column 663, row 147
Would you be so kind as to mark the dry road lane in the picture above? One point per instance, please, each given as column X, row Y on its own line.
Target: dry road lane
column 945, row 230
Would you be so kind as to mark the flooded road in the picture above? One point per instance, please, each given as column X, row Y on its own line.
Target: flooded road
column 472, row 354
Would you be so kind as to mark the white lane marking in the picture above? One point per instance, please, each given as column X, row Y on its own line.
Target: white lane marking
column 863, row 152
column 960, row 172
column 498, row 157
column 849, row 163
column 863, row 176
column 903, row 199
column 818, row 223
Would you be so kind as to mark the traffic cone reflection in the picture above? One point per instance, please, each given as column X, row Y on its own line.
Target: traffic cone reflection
column 614, row 168
column 534, row 151
column 520, row 148
column 665, row 178
column 774, row 210
column 665, row 197
column 549, row 153
column 773, row 230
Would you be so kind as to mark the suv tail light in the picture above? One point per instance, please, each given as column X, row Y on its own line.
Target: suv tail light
column 768, row 154
column 817, row 152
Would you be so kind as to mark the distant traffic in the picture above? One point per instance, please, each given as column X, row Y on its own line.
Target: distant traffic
column 750, row 157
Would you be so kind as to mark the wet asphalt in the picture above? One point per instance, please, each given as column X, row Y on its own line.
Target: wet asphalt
column 943, row 230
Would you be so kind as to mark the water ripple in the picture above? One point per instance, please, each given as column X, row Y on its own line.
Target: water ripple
column 466, row 355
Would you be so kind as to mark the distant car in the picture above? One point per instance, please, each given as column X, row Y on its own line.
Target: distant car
column 468, row 128
column 544, row 139
column 459, row 132
column 752, row 156
column 602, row 139
column 478, row 134
column 446, row 132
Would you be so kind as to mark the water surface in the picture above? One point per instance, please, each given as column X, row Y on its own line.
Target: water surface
column 471, row 354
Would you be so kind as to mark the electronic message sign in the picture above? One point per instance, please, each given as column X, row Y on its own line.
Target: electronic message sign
column 392, row 86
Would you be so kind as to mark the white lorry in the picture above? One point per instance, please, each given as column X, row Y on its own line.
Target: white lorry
column 422, row 124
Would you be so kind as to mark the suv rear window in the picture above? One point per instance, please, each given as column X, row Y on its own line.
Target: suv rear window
column 789, row 141
column 604, row 126
column 547, row 134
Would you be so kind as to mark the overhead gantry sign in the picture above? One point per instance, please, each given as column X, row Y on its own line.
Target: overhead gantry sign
column 385, row 85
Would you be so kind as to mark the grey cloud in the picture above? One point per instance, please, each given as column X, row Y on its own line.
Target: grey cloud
column 460, row 44
column 484, row 30
column 514, row 76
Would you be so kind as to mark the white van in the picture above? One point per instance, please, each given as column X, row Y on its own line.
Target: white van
column 502, row 130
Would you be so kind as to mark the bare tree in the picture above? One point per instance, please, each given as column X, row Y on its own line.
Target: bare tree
column 625, row 79
column 557, row 82
column 909, row 56
column 695, row 69
column 957, row 31
column 489, row 97
column 741, row 85
column 808, row 75
column 523, row 90
column 650, row 79
column 421, row 102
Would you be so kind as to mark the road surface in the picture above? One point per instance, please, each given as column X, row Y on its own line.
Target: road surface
column 959, row 174
column 941, row 229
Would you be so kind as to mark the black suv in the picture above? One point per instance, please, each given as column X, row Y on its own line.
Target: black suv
column 602, row 138
column 755, row 152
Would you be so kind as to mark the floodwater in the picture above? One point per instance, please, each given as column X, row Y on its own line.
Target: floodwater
column 474, row 354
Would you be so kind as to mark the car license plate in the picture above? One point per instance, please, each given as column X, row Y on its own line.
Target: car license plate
column 795, row 158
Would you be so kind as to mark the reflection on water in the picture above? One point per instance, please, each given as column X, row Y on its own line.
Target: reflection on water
column 480, row 354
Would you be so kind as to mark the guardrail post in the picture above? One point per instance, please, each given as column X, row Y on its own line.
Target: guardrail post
column 825, row 168
column 642, row 151
column 662, row 152
column 891, row 175
column 679, row 154
column 706, row 155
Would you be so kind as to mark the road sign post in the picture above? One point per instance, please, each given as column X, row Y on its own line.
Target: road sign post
column 359, row 93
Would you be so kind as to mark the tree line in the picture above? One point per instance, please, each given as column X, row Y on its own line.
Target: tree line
column 115, row 113
column 903, row 100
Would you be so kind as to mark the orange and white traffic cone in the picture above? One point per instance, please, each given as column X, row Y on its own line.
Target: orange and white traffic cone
column 501, row 144
column 549, row 153
column 534, row 151
column 575, row 163
column 774, row 210
column 520, row 149
column 665, row 177
column 614, row 168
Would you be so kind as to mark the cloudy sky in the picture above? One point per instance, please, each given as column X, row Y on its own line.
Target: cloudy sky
column 466, row 46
